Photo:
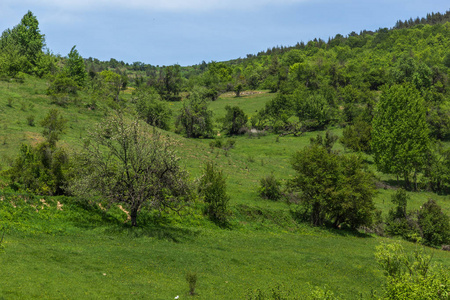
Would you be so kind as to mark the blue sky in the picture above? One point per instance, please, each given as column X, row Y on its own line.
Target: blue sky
column 186, row 32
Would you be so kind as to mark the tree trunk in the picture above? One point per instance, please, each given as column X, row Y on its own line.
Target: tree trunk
column 133, row 216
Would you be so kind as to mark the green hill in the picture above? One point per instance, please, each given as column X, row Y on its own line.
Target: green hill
column 63, row 246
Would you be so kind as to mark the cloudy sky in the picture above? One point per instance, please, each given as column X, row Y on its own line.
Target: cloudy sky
column 165, row 32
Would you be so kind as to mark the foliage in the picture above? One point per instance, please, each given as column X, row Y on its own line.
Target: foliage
column 151, row 109
column 327, row 142
column 123, row 163
column 75, row 67
column 411, row 277
column 270, row 188
column 400, row 135
column 109, row 85
column 437, row 169
column 62, row 84
column 313, row 110
column 332, row 188
column 25, row 41
column 358, row 136
column 54, row 125
column 195, row 119
column 169, row 84
column 235, row 120
column 399, row 221
column 434, row 224
column 212, row 188
column 276, row 112
column 429, row 225
column 41, row 169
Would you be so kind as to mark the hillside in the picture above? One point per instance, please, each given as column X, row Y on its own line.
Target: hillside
column 56, row 243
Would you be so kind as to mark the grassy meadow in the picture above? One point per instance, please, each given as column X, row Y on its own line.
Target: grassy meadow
column 66, row 248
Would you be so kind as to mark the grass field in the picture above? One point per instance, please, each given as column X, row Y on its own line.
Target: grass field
column 78, row 251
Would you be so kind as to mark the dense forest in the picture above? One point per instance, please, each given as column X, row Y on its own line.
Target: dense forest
column 365, row 119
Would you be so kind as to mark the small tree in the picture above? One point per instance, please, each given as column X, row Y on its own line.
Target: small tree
column 212, row 188
column 234, row 120
column 54, row 124
column 123, row 163
column 151, row 109
column 434, row 224
column 195, row 119
column 75, row 67
column 332, row 188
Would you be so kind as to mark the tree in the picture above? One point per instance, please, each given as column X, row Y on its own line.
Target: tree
column 400, row 135
column 212, row 188
column 332, row 188
column 235, row 119
column 434, row 224
column 75, row 67
column 195, row 119
column 124, row 163
column 151, row 109
column 54, row 124
column 21, row 47
column 169, row 85
column 28, row 37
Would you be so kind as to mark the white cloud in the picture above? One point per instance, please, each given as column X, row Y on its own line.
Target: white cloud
column 158, row 5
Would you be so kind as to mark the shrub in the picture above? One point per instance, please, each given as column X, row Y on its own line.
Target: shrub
column 358, row 136
column 212, row 188
column 434, row 224
column 234, row 120
column 270, row 188
column 411, row 276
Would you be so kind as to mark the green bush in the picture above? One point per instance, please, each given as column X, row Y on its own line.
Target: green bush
column 434, row 224
column 270, row 188
column 411, row 276
column 212, row 188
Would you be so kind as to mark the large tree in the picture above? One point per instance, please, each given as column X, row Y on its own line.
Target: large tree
column 124, row 163
column 332, row 188
column 400, row 136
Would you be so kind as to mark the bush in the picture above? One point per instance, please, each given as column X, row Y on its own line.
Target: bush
column 434, row 224
column 212, row 188
column 411, row 276
column 429, row 224
column 270, row 188
column 234, row 121
column 358, row 136
column 332, row 188
column 195, row 119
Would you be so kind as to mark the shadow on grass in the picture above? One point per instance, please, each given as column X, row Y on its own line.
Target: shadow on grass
column 347, row 232
column 302, row 218
column 162, row 232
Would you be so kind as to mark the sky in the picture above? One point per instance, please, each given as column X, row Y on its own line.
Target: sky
column 187, row 32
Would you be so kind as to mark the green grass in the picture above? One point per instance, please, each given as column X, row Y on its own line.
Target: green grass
column 54, row 254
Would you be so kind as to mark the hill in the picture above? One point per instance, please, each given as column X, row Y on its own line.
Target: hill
column 58, row 245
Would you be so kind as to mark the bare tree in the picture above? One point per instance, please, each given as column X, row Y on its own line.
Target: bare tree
column 126, row 162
